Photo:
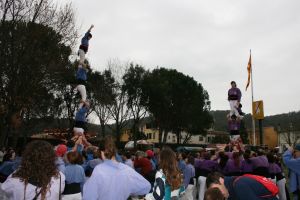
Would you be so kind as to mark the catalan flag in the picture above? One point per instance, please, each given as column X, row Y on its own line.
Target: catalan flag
column 249, row 71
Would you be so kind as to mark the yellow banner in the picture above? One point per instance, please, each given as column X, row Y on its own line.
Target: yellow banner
column 258, row 109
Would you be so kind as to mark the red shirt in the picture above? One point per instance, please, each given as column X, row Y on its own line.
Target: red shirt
column 144, row 164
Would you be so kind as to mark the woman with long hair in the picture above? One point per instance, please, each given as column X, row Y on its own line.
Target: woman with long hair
column 37, row 176
column 168, row 180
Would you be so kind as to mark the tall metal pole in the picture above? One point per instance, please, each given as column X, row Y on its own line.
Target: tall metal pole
column 253, row 120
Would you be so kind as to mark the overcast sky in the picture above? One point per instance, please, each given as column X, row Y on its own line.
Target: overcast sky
column 208, row 40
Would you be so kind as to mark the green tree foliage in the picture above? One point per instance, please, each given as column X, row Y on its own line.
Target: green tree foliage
column 31, row 55
column 177, row 102
column 35, row 40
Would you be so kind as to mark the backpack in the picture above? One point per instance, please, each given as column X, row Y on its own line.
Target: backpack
column 268, row 184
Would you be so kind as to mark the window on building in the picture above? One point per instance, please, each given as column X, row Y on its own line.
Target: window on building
column 174, row 138
column 149, row 135
column 169, row 137
column 200, row 138
column 153, row 135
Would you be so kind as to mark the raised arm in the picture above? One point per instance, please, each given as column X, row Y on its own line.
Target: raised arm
column 92, row 26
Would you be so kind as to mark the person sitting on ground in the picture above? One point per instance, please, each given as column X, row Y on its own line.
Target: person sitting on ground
column 75, row 176
column 246, row 187
column 113, row 180
column 213, row 194
column 168, row 180
column 37, row 177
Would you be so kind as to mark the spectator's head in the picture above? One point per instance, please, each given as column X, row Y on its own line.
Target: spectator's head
column 140, row 154
column 216, row 180
column 206, row 156
column 233, row 117
column 271, row 157
column 108, row 148
column 74, row 158
column 246, row 155
column 38, row 165
column 297, row 151
column 127, row 155
column 213, row 194
column 190, row 160
column 9, row 156
column 260, row 152
column 61, row 150
column 233, row 84
column 150, row 154
column 169, row 166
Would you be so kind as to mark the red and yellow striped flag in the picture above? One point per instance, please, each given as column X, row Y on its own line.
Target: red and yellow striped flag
column 249, row 71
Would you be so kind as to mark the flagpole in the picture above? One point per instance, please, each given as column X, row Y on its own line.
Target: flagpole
column 253, row 120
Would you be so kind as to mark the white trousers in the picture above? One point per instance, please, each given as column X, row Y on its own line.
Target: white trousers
column 81, row 89
column 76, row 196
column 81, row 56
column 202, row 187
column 281, row 186
column 233, row 108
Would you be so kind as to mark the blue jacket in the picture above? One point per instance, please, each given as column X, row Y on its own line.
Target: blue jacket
column 81, row 114
column 294, row 167
column 84, row 40
column 81, row 74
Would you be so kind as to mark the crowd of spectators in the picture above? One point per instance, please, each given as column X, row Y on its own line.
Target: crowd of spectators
column 70, row 171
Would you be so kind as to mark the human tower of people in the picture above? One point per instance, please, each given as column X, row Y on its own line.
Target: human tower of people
column 81, row 78
column 235, row 115
column 77, row 170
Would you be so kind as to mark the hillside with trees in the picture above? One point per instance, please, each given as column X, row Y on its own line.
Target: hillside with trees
column 286, row 121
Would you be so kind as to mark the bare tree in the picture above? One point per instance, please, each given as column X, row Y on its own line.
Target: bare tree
column 119, row 110
column 290, row 136
column 45, row 12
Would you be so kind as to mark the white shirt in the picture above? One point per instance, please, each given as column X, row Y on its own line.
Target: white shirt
column 14, row 188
